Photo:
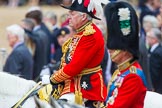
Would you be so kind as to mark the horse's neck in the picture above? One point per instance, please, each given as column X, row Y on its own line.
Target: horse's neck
column 13, row 85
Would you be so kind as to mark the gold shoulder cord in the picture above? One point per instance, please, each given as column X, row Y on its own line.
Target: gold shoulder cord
column 89, row 30
column 64, row 50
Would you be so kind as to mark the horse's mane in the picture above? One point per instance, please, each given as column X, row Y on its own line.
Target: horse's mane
column 14, row 85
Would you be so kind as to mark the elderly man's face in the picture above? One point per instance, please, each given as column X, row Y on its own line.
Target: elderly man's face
column 147, row 26
column 12, row 39
column 74, row 19
column 150, row 38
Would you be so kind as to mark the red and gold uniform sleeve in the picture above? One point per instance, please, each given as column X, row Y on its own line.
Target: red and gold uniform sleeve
column 131, row 94
column 88, row 54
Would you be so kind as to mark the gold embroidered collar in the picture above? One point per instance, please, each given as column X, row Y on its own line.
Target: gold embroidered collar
column 83, row 27
column 125, row 64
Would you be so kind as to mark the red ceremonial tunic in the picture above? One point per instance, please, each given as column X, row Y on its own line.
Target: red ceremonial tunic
column 85, row 51
column 130, row 93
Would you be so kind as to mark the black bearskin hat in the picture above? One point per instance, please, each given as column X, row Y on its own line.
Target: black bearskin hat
column 122, row 27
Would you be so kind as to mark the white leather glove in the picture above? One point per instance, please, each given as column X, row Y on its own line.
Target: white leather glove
column 45, row 71
column 46, row 79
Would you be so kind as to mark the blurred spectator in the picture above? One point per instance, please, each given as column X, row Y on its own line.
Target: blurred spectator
column 34, row 2
column 64, row 19
column 49, row 35
column 50, row 19
column 154, row 38
column 146, row 9
column 159, row 17
column 36, row 16
column 62, row 35
column 22, row 2
column 36, row 42
column 144, row 60
column 3, row 2
column 20, row 60
column 28, row 25
column 149, row 22
column 13, row 3
column 156, row 6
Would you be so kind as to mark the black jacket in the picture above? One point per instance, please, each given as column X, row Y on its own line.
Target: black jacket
column 20, row 62
column 156, row 68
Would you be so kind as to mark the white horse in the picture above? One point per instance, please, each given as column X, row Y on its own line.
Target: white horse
column 153, row 100
column 13, row 88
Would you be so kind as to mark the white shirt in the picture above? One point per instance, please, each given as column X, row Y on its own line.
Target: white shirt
column 36, row 27
column 154, row 47
column 54, row 27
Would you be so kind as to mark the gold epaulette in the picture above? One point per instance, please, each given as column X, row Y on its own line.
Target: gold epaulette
column 89, row 30
column 81, row 29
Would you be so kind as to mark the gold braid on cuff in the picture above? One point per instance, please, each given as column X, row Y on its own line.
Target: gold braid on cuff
column 59, row 76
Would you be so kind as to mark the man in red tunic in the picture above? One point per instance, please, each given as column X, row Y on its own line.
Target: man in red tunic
column 127, row 88
column 81, row 62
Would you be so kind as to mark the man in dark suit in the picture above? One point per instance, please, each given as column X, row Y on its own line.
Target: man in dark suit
column 144, row 60
column 154, row 38
column 20, row 60
column 146, row 9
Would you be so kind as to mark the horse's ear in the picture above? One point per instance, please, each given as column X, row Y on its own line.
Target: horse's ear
column 41, row 104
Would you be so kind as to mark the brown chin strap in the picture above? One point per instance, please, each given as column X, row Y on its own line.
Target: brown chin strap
column 115, row 53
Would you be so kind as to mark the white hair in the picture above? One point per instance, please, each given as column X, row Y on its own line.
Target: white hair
column 51, row 15
column 17, row 31
column 152, row 19
column 34, row 8
column 88, row 16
